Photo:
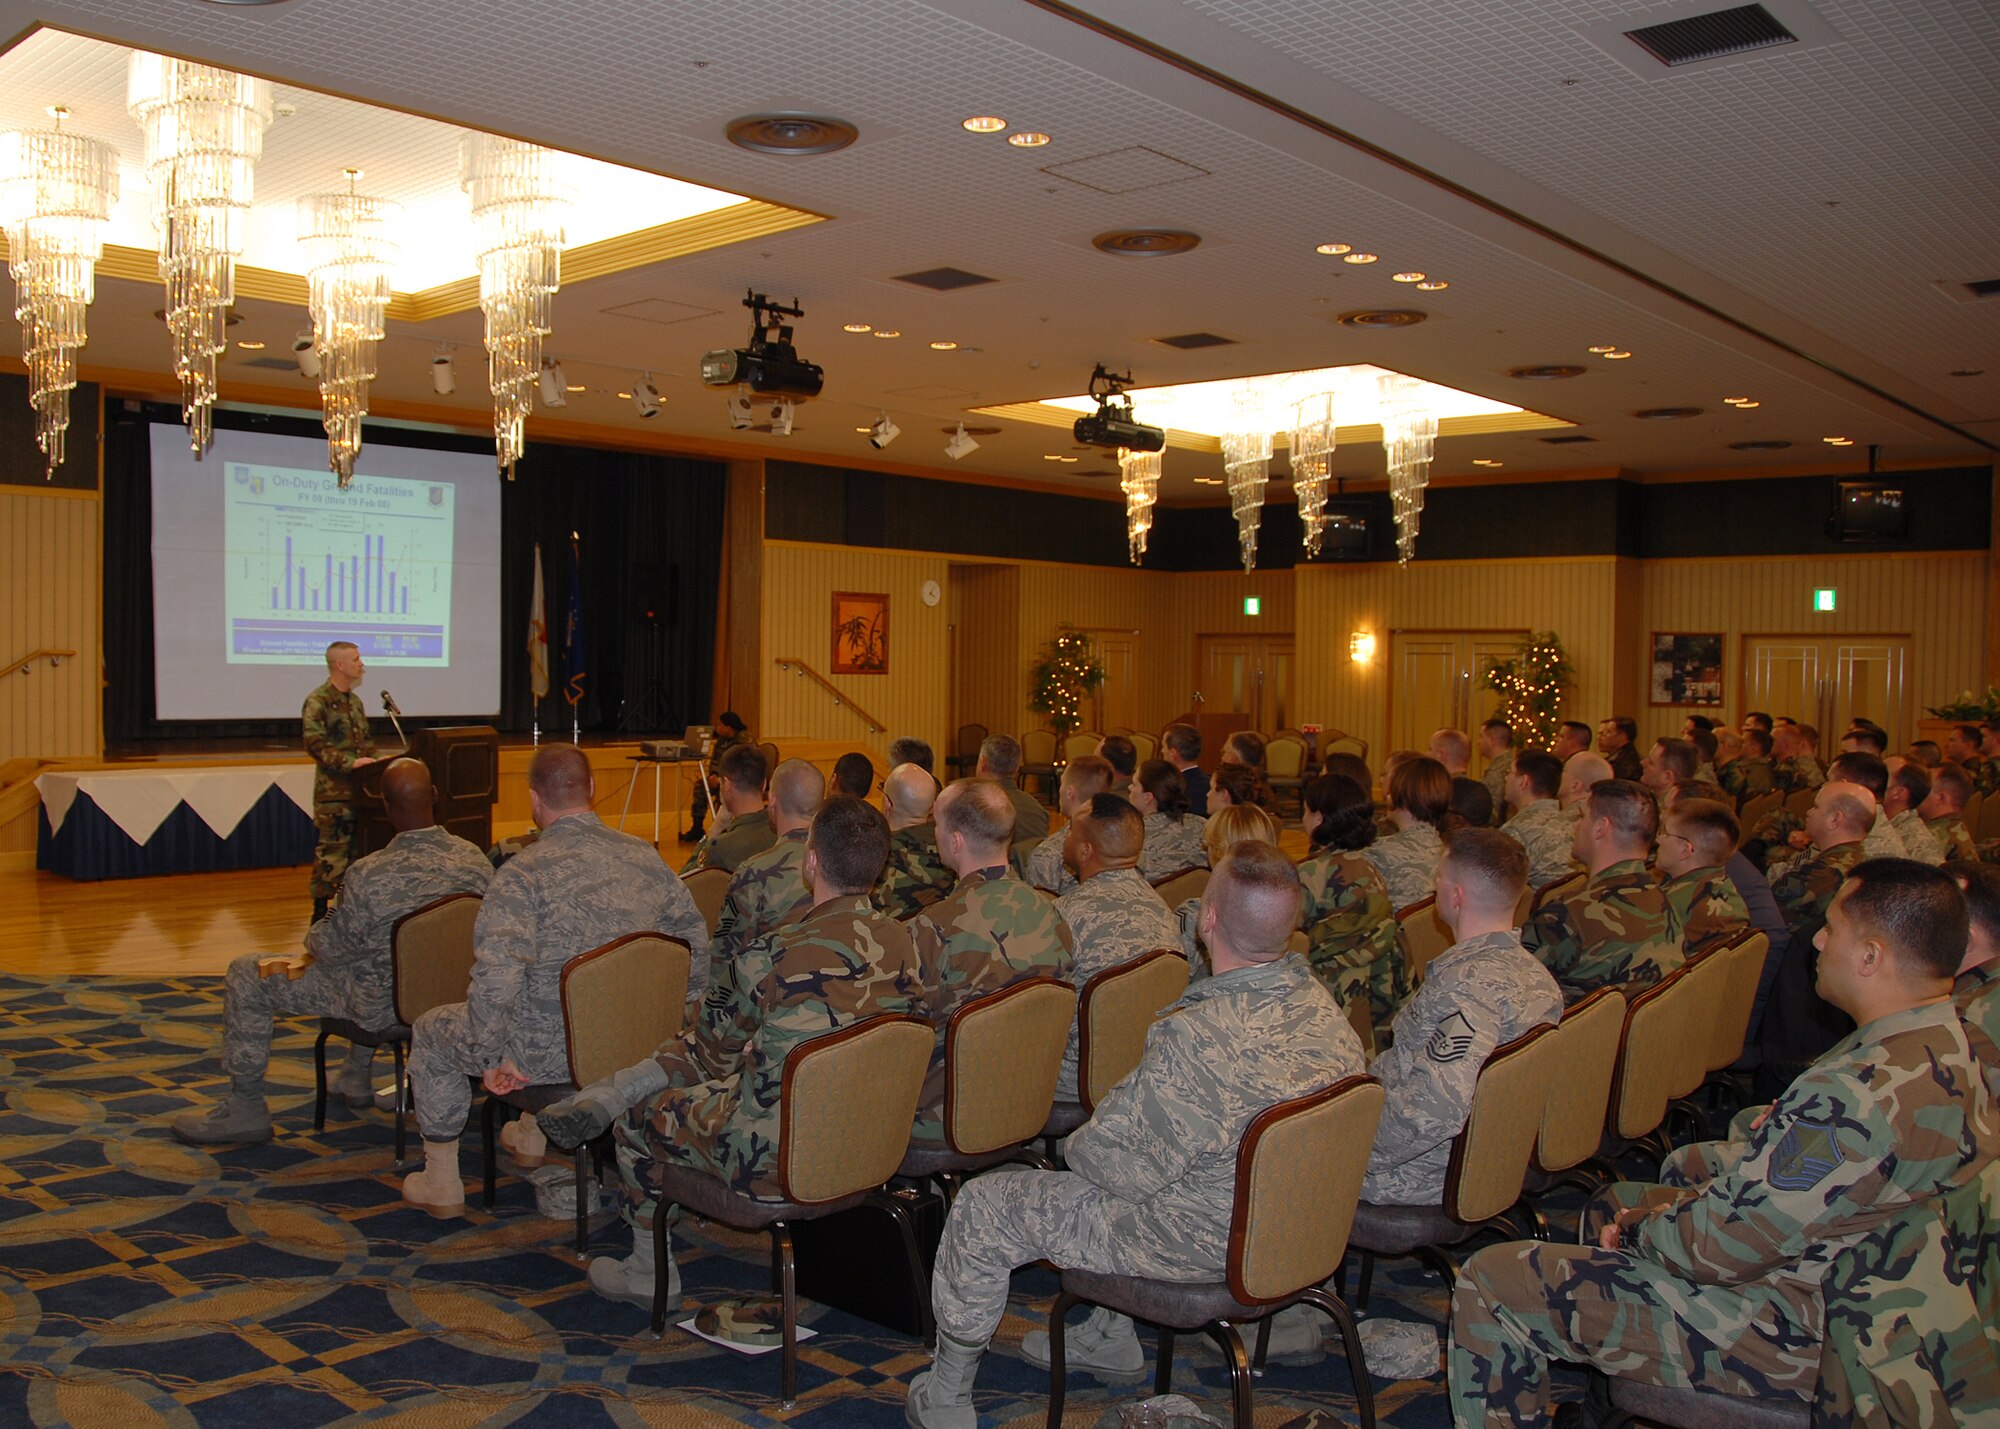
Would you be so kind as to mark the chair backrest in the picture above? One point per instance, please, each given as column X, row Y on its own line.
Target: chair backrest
column 1587, row 1047
column 1969, row 815
column 1284, row 757
column 1421, row 934
column 1146, row 745
column 1754, row 810
column 770, row 753
column 1988, row 816
column 1524, row 906
column 1298, row 1180
column 1038, row 746
column 620, row 1002
column 1346, row 744
column 1177, row 887
column 1561, row 888
column 1118, row 1007
column 970, row 737
column 1002, row 1056
column 1656, row 1024
column 1800, row 800
column 708, row 887
column 845, row 1107
column 1080, row 743
column 1727, row 1016
column 1489, row 1156
column 430, row 951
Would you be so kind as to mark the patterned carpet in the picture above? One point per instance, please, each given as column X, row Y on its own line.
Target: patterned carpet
column 143, row 1282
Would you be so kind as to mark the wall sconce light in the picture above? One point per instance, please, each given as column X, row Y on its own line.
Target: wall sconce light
column 1361, row 647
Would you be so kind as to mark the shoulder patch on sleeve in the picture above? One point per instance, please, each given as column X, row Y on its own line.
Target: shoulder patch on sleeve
column 1805, row 1156
column 1452, row 1039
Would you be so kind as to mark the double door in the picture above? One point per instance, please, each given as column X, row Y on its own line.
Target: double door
column 1826, row 680
column 1437, row 681
column 1249, row 675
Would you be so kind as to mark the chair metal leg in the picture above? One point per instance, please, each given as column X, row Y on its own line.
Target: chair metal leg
column 402, row 1101
column 660, row 1254
column 1225, row 1336
column 319, row 1079
column 1441, row 1262
column 1058, row 1371
column 1263, row 1344
column 1350, row 1341
column 1163, row 1370
column 582, row 1211
column 1367, row 1278
column 788, row 1293
column 486, row 1114
column 926, row 1324
column 1531, row 1214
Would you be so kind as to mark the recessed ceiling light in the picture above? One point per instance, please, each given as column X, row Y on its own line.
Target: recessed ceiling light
column 251, row 346
column 1359, row 258
column 1433, row 285
column 1604, row 348
column 944, row 347
column 888, row 332
column 1027, row 139
column 1619, row 356
column 1486, row 461
column 1732, row 401
column 985, row 124
column 1838, row 441
column 1208, row 481
column 864, row 430
column 1408, row 277
column 574, row 387
column 857, row 327
column 1746, row 405
column 1334, row 250
column 624, row 396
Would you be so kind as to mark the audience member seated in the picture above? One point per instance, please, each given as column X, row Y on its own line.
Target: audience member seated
column 1961, row 745
column 1864, row 739
column 1581, row 773
column 1452, row 749
column 1471, row 805
column 1121, row 754
column 1668, row 764
column 1739, row 1275
column 1222, row 831
column 1757, row 719
column 1618, row 928
column 1943, row 813
column 916, row 875
column 1573, row 737
column 1909, row 785
column 1419, row 798
column 709, row 1099
column 1083, row 779
column 1485, row 990
column 1706, row 745
column 347, row 969
column 729, row 732
column 1696, row 841
column 1000, row 761
column 580, row 886
column 1750, row 774
column 853, row 777
column 1238, row 784
column 1351, row 766
column 1348, row 920
column 743, row 827
column 908, row 749
column 1976, row 992
column 1924, row 752
column 1181, row 744
column 769, row 887
column 1537, row 824
column 991, row 931
column 1173, row 835
column 1615, row 739
column 1113, row 914
column 1246, row 746
column 1496, row 747
column 1797, row 765
column 1986, row 779
column 1152, row 1174
column 1781, row 834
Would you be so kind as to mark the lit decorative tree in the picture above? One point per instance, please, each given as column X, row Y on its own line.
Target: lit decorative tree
column 1063, row 677
column 1531, row 686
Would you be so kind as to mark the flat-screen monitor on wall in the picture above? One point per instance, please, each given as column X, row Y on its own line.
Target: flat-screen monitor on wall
column 1870, row 511
column 1345, row 535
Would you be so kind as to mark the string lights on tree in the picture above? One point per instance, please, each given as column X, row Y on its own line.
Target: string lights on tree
column 1066, row 674
column 1530, row 684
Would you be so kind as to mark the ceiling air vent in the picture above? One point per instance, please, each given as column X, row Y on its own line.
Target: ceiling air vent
column 1970, row 292
column 1189, row 341
column 1573, row 439
column 1770, row 445
column 1666, row 414
column 274, row 364
column 1711, row 36
column 944, row 280
column 1382, row 317
column 1546, row 372
column 1146, row 242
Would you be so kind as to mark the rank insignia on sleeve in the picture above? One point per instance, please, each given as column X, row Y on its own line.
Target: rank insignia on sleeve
column 1452, row 1039
column 1805, row 1156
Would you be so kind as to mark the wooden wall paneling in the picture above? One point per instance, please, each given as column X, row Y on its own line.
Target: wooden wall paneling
column 1057, row 597
column 51, row 584
column 986, row 610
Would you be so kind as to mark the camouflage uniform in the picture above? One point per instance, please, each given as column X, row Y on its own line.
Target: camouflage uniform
column 1759, row 1274
column 336, row 734
column 1986, row 776
column 1746, row 777
column 1499, row 769
column 1953, row 837
column 727, row 848
column 719, row 744
column 351, row 974
column 840, row 964
column 1408, row 862
column 579, row 887
column 991, row 932
column 1704, row 773
column 1031, row 818
column 1113, row 918
column 1541, row 829
column 915, row 877
column 505, row 849
column 1802, row 772
column 1809, row 882
column 1477, row 995
column 1172, row 845
column 1618, row 928
column 1882, row 840
column 1799, row 1025
column 766, row 889
column 1916, row 838
column 1044, row 868
column 1707, row 908
column 1352, row 932
column 1152, row 1176
column 1977, row 997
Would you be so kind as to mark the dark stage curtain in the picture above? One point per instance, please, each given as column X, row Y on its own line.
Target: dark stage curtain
column 650, row 528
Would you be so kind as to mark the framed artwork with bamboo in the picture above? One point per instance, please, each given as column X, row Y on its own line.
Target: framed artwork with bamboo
column 860, row 633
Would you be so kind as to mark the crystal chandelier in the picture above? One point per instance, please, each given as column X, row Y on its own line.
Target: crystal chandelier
column 1314, row 423
column 204, row 133
column 519, row 201
column 56, row 192
column 1246, row 466
column 348, row 251
column 1409, row 437
column 1140, row 477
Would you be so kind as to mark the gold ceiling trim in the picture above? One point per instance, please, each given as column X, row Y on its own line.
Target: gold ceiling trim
column 1043, row 414
column 621, row 253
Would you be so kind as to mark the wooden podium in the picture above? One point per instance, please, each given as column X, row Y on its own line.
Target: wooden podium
column 464, row 761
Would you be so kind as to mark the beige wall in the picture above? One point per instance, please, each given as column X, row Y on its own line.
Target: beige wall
column 51, row 591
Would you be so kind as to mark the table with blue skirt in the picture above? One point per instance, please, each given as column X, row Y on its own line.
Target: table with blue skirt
column 162, row 819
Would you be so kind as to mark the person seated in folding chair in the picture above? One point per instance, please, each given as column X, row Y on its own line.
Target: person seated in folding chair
column 580, row 886
column 769, row 887
column 346, row 971
column 709, row 1099
column 916, row 875
column 1152, row 1175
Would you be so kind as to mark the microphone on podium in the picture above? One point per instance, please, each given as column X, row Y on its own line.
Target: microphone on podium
column 389, row 704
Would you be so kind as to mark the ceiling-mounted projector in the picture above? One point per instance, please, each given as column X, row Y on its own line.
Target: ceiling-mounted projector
column 769, row 365
column 1112, row 424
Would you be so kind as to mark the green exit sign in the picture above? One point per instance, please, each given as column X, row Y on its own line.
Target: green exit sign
column 1254, row 605
column 1824, row 597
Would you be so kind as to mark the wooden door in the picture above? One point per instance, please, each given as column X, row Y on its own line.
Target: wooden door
column 1274, row 706
column 1782, row 675
column 1116, row 703
column 1250, row 674
column 1437, row 681
column 1825, row 680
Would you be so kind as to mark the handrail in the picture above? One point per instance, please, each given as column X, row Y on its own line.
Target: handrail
column 800, row 667
column 54, row 657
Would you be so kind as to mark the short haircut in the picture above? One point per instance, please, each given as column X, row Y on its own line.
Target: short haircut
column 1121, row 752
column 1759, row 741
column 797, row 788
column 1112, row 826
column 1164, row 783
column 1089, row 774
column 1914, row 908
column 1926, row 753
column 1851, row 811
column 1701, row 722
column 1489, row 864
column 1913, row 779
column 1970, row 733
column 729, row 719
column 1228, row 827
column 1860, row 767
column 1634, row 815
column 1452, row 744
column 1184, row 740
column 1242, row 783
column 1626, row 726
column 851, row 841
column 1471, row 801
column 980, row 810
column 1578, row 729
column 1757, row 719
column 1869, row 739
column 1351, row 765
column 743, row 766
column 1980, row 883
column 1248, row 745
column 853, row 776
column 908, row 749
column 1541, row 771
column 340, row 645
column 1500, row 724
column 1710, row 826
column 1953, row 782
column 1421, row 786
column 1346, row 813
column 1677, row 757
column 1702, row 789
column 1705, row 744
column 1256, row 896
column 1809, row 734
column 1001, row 753
column 560, row 773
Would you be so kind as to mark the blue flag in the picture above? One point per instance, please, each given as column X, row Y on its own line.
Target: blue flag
column 573, row 659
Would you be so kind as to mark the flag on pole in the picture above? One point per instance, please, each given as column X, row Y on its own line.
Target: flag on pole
column 573, row 658
column 538, row 636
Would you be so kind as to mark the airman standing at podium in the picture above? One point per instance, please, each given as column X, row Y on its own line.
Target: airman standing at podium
column 339, row 741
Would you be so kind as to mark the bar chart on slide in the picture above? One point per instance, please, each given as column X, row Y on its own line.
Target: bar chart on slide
column 310, row 563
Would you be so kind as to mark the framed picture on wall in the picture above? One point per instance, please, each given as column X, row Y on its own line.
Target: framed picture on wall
column 1687, row 670
column 860, row 633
